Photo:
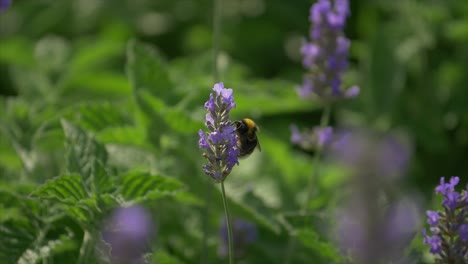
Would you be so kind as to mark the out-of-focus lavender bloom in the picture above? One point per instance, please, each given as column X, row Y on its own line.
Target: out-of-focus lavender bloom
column 449, row 227
column 220, row 143
column 128, row 232
column 310, row 139
column 379, row 154
column 4, row 4
column 372, row 228
column 371, row 234
column 326, row 54
column 244, row 234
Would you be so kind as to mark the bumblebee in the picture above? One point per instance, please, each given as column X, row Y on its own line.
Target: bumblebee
column 246, row 131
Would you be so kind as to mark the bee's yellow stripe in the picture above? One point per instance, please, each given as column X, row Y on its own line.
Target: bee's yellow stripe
column 250, row 124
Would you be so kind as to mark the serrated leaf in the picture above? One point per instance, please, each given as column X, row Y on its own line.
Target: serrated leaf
column 15, row 238
column 49, row 248
column 67, row 189
column 84, row 211
column 82, row 150
column 102, row 182
column 139, row 187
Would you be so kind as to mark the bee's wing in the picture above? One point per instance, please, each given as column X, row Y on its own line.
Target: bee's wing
column 258, row 146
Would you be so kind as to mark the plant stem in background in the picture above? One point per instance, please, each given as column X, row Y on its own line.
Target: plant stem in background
column 87, row 248
column 324, row 120
column 216, row 37
column 228, row 225
column 216, row 44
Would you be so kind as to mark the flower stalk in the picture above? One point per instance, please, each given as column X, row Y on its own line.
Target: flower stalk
column 228, row 225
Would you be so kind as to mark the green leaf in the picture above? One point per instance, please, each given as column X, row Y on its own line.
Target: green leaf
column 66, row 189
column 85, row 211
column 46, row 250
column 97, row 116
column 147, row 71
column 311, row 239
column 17, row 51
column 128, row 135
column 268, row 97
column 188, row 199
column 290, row 166
column 69, row 191
column 102, row 83
column 15, row 238
column 94, row 52
column 102, row 182
column 82, row 152
column 173, row 118
column 162, row 257
column 137, row 187
column 254, row 207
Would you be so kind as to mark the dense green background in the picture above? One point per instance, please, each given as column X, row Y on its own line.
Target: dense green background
column 109, row 94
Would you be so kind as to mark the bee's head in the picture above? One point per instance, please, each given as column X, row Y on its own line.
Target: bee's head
column 252, row 128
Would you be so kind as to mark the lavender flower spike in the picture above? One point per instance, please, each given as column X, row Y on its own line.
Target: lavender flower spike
column 326, row 54
column 4, row 4
column 220, row 143
column 449, row 227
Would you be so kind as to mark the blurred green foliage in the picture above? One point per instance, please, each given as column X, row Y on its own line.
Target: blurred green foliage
column 98, row 97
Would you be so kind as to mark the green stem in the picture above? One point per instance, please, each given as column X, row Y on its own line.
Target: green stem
column 216, row 45
column 228, row 225
column 216, row 37
column 324, row 120
column 87, row 248
column 206, row 225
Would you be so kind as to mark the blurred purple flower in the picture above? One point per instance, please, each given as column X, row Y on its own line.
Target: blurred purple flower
column 128, row 231
column 310, row 139
column 372, row 233
column 371, row 229
column 323, row 134
column 385, row 154
column 220, row 144
column 296, row 136
column 4, row 4
column 326, row 55
column 244, row 234
column 449, row 227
